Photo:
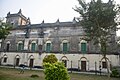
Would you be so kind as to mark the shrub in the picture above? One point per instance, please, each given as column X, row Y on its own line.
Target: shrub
column 34, row 76
column 55, row 71
column 50, row 59
column 115, row 73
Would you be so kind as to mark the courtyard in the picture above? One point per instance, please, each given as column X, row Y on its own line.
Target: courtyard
column 14, row 74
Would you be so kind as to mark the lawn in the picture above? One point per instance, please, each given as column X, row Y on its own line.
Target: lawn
column 13, row 74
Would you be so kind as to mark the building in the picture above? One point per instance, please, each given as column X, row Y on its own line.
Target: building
column 29, row 43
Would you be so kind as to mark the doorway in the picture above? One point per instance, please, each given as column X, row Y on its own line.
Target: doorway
column 31, row 63
column 83, row 65
column 17, row 61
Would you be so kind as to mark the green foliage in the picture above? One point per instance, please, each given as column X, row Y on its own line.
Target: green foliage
column 55, row 71
column 115, row 73
column 50, row 59
column 99, row 20
column 4, row 29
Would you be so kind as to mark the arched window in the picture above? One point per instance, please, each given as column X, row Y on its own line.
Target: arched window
column 83, row 46
column 65, row 60
column 31, row 61
column 48, row 46
column 5, row 58
column 104, row 64
column 17, row 60
column 20, row 46
column 33, row 46
column 8, row 46
column 65, row 46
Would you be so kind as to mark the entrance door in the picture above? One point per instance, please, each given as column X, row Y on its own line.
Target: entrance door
column 83, row 65
column 31, row 63
column 17, row 61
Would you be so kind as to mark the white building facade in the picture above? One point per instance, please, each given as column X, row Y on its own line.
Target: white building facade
column 28, row 44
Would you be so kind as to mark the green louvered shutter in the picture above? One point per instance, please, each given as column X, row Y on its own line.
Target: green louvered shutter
column 65, row 47
column 48, row 47
column 20, row 46
column 83, row 47
column 33, row 47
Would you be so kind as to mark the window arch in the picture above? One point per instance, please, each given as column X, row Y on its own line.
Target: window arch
column 48, row 46
column 17, row 60
column 83, row 64
column 65, row 60
column 104, row 64
column 65, row 46
column 20, row 46
column 31, row 61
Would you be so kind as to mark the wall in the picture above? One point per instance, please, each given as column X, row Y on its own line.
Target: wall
column 75, row 58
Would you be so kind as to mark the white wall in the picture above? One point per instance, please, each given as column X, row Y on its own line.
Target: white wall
column 75, row 58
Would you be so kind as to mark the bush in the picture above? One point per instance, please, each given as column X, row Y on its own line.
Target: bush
column 34, row 76
column 55, row 71
column 50, row 59
column 115, row 73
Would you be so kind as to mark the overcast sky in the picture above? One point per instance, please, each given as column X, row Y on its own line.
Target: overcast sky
column 39, row 10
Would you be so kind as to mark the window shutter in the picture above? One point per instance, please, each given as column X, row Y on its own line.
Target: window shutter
column 20, row 46
column 65, row 47
column 33, row 47
column 83, row 47
column 48, row 47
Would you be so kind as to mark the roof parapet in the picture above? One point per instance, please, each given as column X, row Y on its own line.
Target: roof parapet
column 8, row 13
column 43, row 22
column 20, row 11
column 57, row 22
column 74, row 20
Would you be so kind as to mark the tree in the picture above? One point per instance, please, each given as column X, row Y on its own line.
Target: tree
column 50, row 59
column 99, row 20
column 4, row 29
column 56, row 71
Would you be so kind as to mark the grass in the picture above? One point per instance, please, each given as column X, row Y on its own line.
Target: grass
column 14, row 74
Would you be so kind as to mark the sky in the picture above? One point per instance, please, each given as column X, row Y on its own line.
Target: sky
column 39, row 10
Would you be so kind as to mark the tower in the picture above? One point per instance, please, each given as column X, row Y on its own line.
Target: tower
column 17, row 19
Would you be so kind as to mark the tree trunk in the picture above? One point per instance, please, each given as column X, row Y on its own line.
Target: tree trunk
column 104, row 51
column 107, row 66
